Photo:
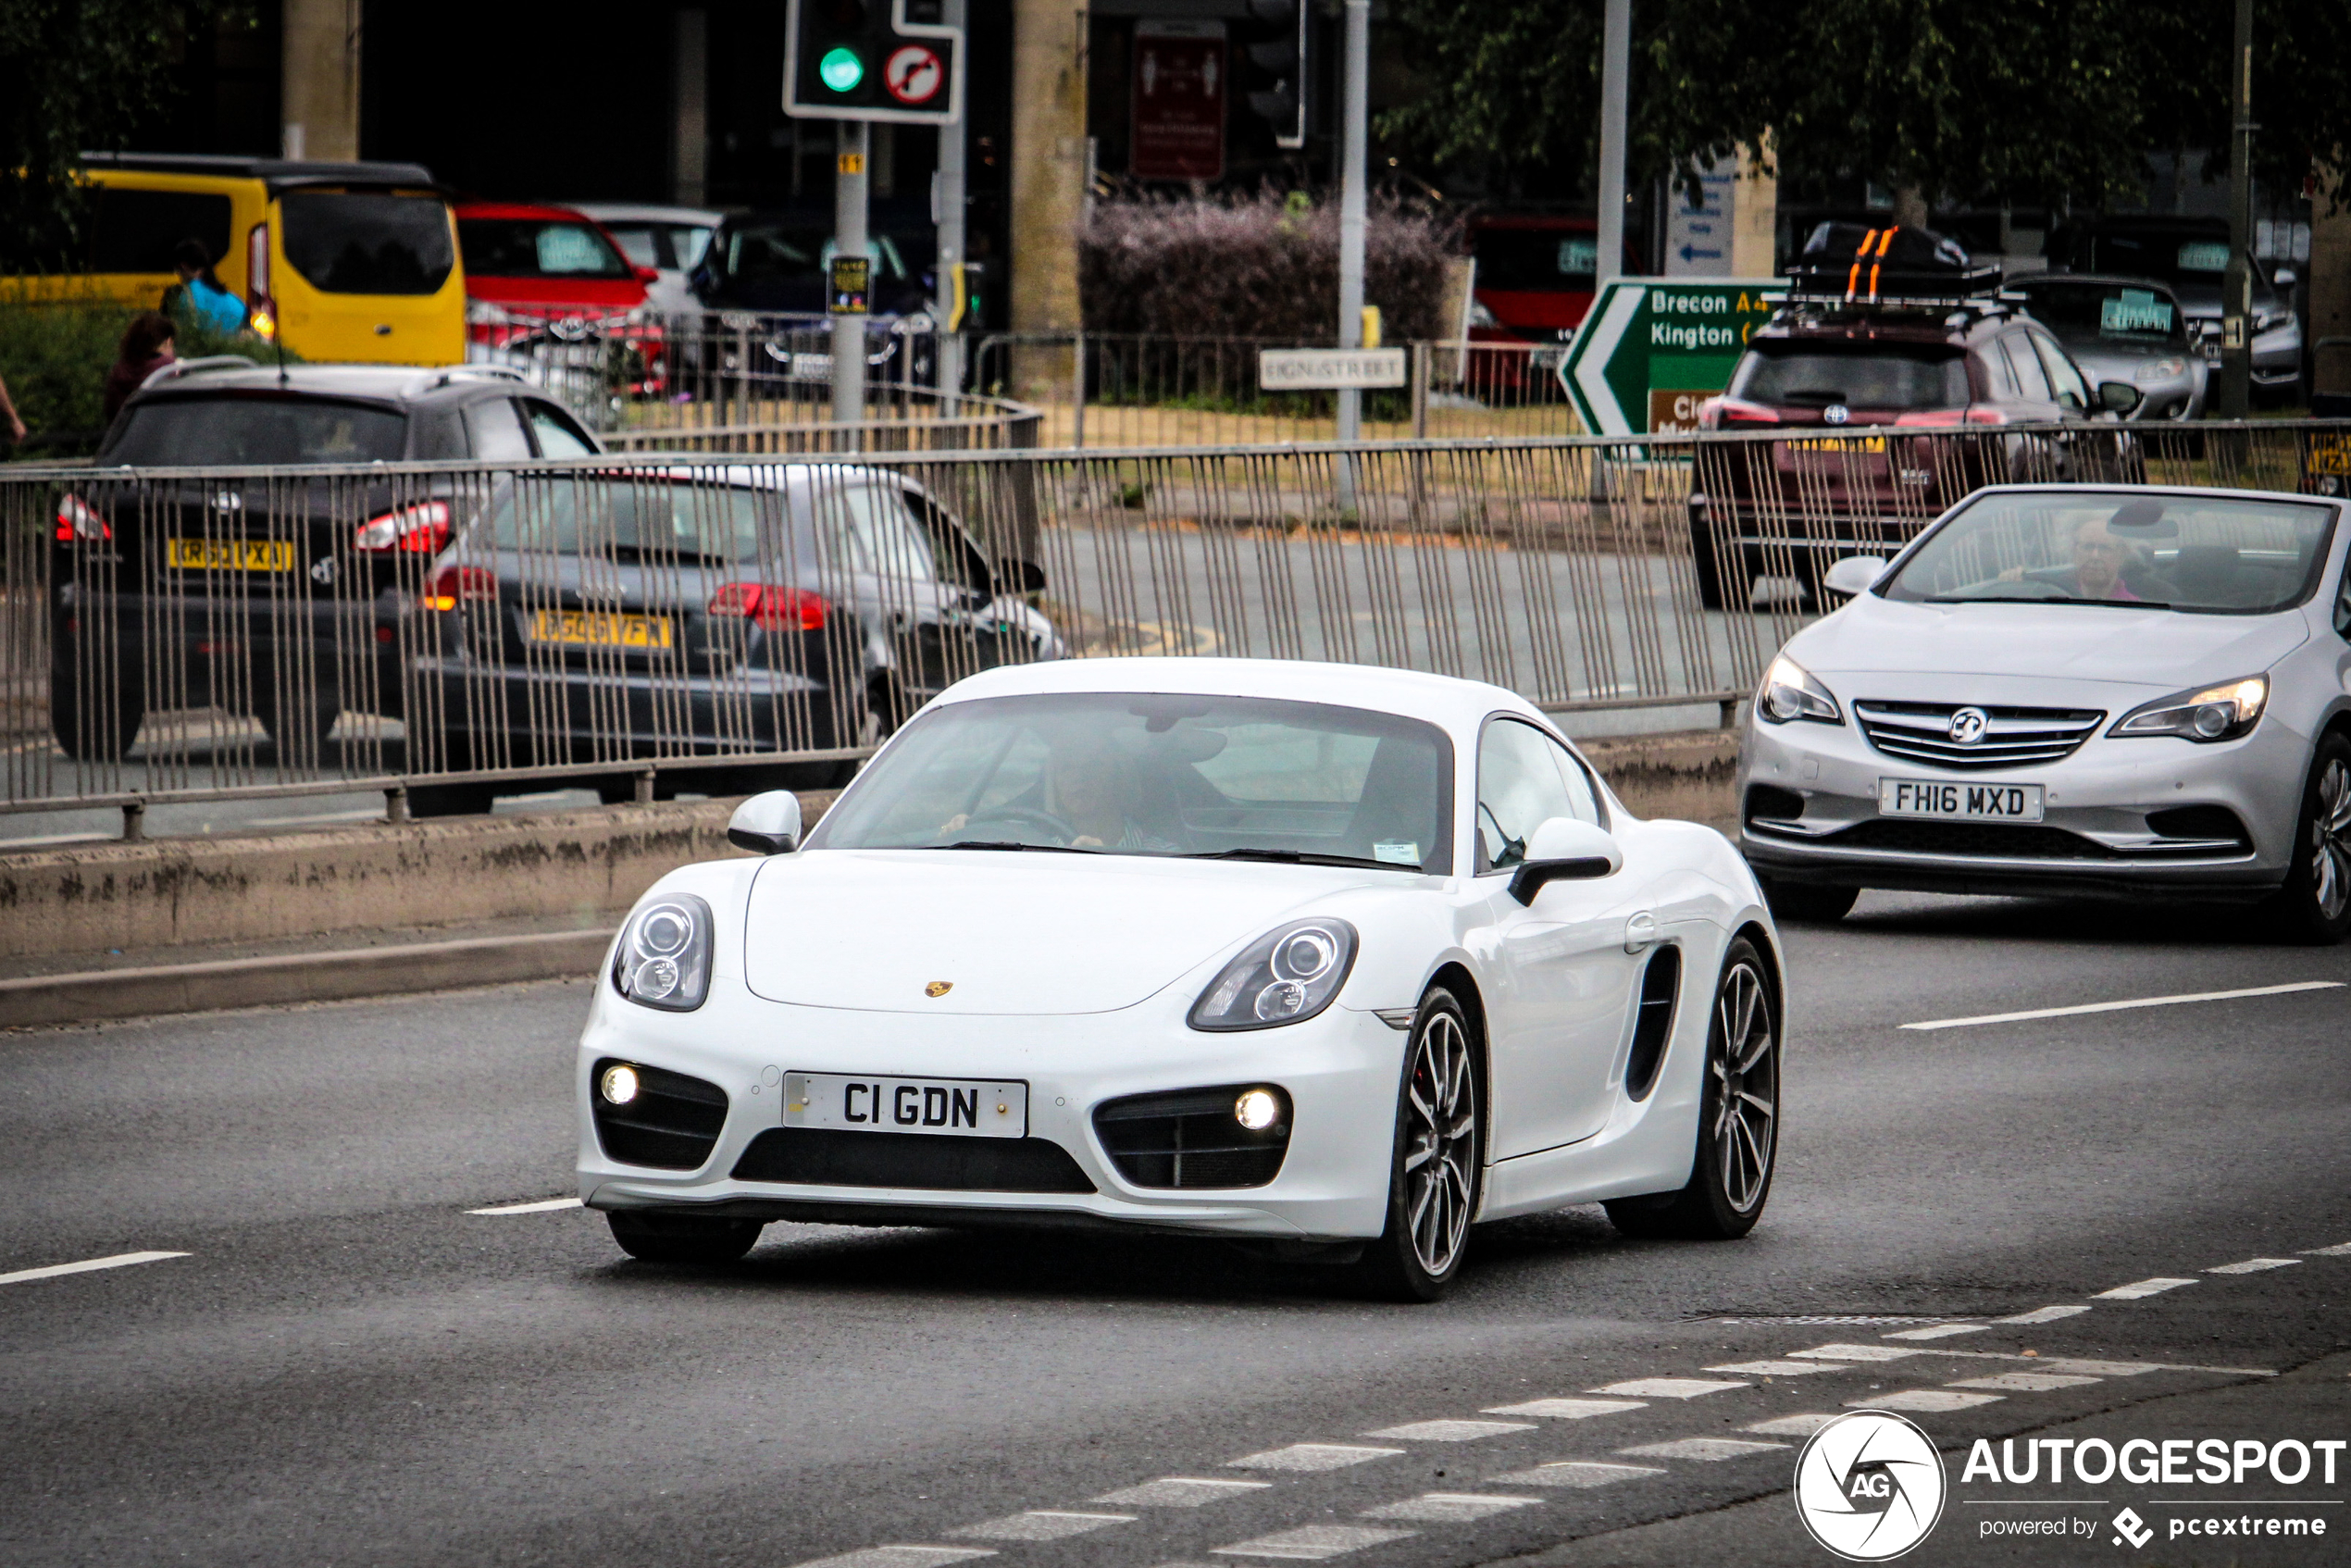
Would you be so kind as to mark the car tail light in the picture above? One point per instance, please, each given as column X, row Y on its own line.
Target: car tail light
column 1718, row 412
column 265, row 308
column 770, row 608
column 76, row 520
column 422, row 529
column 452, row 585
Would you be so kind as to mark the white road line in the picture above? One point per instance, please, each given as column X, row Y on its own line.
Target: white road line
column 1041, row 1524
column 1179, row 1491
column 901, row 1556
column 1940, row 1331
column 1310, row 1456
column 1578, row 1472
column 1922, row 1399
column 2143, row 1288
column 1571, row 1410
column 1777, row 1368
column 120, row 1260
column 1707, row 1450
column 2254, row 1266
column 2123, row 1006
column 1668, row 1387
column 1792, row 1425
column 2026, row 1382
column 543, row 1206
column 1449, row 1431
column 1312, row 1542
column 2044, row 1314
column 1856, row 1352
column 1448, row 1508
column 2340, row 1249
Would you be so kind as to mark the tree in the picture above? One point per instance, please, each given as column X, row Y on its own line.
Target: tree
column 76, row 75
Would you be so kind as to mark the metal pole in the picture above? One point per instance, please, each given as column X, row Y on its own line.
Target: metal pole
column 1616, row 56
column 849, row 239
column 2236, row 288
column 1352, row 131
column 947, row 198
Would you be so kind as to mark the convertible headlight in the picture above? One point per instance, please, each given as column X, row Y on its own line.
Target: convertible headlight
column 2216, row 712
column 1289, row 974
column 1789, row 692
column 664, row 957
column 2159, row 370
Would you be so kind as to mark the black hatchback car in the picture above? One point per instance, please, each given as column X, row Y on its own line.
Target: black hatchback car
column 283, row 600
column 610, row 615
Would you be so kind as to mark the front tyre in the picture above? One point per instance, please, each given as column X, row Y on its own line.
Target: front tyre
column 681, row 1238
column 1738, row 1120
column 2314, row 907
column 1435, row 1167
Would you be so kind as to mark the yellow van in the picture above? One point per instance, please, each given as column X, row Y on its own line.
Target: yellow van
column 348, row 261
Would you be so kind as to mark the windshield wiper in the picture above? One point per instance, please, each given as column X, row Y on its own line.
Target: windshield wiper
column 2055, row 599
column 1299, row 857
column 1013, row 845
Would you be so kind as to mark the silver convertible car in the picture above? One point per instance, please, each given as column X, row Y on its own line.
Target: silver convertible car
column 2068, row 689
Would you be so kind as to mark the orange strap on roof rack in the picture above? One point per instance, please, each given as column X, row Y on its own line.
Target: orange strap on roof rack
column 1882, row 247
column 1853, row 279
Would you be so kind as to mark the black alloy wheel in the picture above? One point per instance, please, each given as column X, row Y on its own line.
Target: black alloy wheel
column 1738, row 1121
column 2314, row 907
column 1437, row 1166
column 656, row 1238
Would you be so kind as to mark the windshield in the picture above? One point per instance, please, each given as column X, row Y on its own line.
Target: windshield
column 1117, row 773
column 2172, row 257
column 651, row 518
column 1878, row 376
column 2202, row 554
column 2114, row 312
column 758, row 252
column 173, row 432
column 368, row 244
column 524, row 247
column 1535, row 259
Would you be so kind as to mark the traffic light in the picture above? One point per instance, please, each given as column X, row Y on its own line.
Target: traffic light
column 1279, row 65
column 872, row 59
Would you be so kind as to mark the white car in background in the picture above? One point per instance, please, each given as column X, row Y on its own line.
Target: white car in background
column 1326, row 959
column 669, row 239
column 2070, row 690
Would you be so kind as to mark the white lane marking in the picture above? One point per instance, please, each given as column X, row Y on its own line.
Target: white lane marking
column 2026, row 1382
column 1578, row 1472
column 1449, row 1508
column 2124, row 1006
column 120, row 1260
column 1792, row 1426
column 1312, row 1542
column 1922, row 1399
column 1310, row 1456
column 1041, row 1524
column 1708, row 1450
column 1940, row 1331
column 1668, row 1388
column 543, row 1206
column 2254, row 1266
column 2097, row 1368
column 2340, row 1249
column 1569, row 1410
column 2044, row 1314
column 901, row 1556
column 2143, row 1288
column 1777, row 1368
column 1855, row 1352
column 1179, row 1491
column 1449, row 1431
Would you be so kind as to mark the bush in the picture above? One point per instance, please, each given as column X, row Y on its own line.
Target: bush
column 1257, row 267
column 55, row 357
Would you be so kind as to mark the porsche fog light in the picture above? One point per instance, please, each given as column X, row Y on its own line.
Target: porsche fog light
column 1290, row 973
column 1258, row 1109
column 664, row 957
column 618, row 1085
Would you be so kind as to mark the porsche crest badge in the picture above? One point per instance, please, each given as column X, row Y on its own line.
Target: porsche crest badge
column 938, row 988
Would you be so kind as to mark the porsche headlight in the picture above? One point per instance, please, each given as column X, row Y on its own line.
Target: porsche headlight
column 2218, row 713
column 664, row 957
column 1790, row 693
column 1289, row 974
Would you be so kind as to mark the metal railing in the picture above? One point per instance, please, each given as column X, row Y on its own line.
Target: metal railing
column 661, row 621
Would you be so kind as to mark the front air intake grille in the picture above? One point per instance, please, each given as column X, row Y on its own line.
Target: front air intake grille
column 936, row 1161
column 2004, row 840
column 1769, row 801
column 670, row 1125
column 2011, row 736
column 1653, row 1023
column 1191, row 1138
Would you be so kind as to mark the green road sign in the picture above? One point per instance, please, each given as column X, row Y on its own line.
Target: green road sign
column 1651, row 350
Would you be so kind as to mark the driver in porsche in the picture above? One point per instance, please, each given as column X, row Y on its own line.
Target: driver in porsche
column 1094, row 787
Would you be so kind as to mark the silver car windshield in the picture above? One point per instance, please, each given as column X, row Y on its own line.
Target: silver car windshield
column 2194, row 554
column 1146, row 774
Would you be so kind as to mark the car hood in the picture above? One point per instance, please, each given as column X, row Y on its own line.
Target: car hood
column 1011, row 933
column 2147, row 648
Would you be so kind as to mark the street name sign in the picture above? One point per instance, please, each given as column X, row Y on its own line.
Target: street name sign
column 1651, row 350
column 1309, row 370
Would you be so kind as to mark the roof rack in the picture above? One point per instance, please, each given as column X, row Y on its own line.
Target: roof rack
column 450, row 373
column 1847, row 264
column 179, row 367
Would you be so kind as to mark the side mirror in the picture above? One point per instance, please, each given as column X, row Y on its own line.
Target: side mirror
column 1565, row 850
column 1853, row 575
column 647, row 274
column 1019, row 577
column 2118, row 397
column 768, row 824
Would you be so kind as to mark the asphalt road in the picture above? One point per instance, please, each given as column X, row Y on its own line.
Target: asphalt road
column 347, row 1367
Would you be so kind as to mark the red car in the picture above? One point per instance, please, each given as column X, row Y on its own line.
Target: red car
column 542, row 281
column 1536, row 279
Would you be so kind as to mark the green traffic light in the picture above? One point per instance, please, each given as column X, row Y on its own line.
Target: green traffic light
column 841, row 69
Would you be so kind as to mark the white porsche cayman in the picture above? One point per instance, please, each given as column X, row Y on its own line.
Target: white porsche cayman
column 1329, row 959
